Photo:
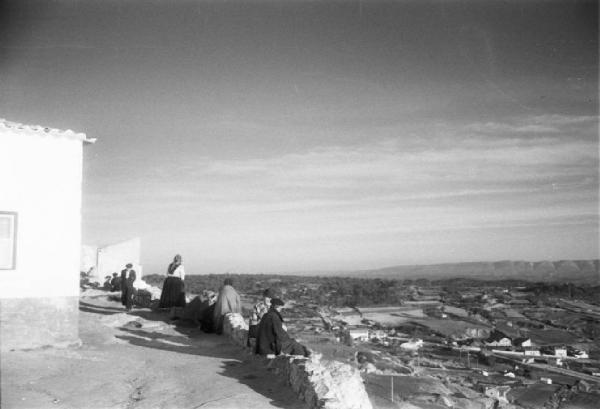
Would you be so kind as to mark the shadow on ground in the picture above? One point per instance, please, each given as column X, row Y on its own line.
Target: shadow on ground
column 190, row 340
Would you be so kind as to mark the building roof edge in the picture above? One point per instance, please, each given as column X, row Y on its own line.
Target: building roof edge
column 46, row 131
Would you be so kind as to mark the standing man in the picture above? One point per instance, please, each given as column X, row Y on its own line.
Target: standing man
column 127, row 279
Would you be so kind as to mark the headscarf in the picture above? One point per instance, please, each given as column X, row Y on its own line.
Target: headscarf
column 176, row 263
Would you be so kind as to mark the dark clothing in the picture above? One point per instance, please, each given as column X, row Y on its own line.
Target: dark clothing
column 195, row 309
column 206, row 319
column 173, row 293
column 127, row 289
column 115, row 284
column 271, row 338
column 252, row 330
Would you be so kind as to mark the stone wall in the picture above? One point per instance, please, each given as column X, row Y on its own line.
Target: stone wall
column 320, row 383
column 35, row 322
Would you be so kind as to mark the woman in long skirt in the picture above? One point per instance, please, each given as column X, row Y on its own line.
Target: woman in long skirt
column 173, row 292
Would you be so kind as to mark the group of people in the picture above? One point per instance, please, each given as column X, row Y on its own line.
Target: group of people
column 267, row 332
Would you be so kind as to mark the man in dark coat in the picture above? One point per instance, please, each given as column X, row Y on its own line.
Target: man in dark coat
column 127, row 279
column 271, row 338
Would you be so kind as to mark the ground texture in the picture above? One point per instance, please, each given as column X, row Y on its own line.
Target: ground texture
column 139, row 360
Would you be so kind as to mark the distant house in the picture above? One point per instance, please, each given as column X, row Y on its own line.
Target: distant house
column 40, row 234
column 576, row 353
column 560, row 352
column 498, row 339
column 524, row 342
column 381, row 334
column 412, row 345
column 497, row 392
column 357, row 334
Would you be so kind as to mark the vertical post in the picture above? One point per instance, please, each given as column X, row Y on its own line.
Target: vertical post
column 468, row 360
column 392, row 383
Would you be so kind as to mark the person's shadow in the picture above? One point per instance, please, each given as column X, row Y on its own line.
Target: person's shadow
column 97, row 309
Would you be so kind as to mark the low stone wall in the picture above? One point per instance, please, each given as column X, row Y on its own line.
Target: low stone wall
column 320, row 383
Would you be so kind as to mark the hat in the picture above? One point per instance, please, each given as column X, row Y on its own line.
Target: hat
column 269, row 293
column 129, row 265
column 276, row 302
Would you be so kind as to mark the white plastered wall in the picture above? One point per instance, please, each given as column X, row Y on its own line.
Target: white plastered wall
column 40, row 179
column 114, row 257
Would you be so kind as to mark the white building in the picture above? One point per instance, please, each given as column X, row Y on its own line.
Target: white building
column 357, row 334
column 40, row 234
column 497, row 392
column 412, row 345
column 523, row 342
column 106, row 260
column 560, row 352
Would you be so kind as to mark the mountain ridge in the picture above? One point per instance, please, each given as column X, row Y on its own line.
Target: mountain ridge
column 575, row 271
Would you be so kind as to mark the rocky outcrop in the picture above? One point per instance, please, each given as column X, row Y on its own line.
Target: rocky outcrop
column 320, row 383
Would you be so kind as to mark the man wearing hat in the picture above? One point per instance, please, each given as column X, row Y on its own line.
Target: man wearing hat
column 259, row 309
column 127, row 279
column 271, row 338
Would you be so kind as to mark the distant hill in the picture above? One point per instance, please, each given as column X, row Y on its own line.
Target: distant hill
column 574, row 271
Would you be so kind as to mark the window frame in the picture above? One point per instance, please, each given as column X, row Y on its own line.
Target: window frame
column 15, row 217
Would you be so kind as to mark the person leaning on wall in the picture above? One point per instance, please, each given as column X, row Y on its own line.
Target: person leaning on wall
column 271, row 338
column 259, row 309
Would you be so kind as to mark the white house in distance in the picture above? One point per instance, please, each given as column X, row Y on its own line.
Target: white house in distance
column 100, row 262
column 40, row 234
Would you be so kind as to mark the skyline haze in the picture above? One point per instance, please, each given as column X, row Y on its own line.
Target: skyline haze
column 259, row 136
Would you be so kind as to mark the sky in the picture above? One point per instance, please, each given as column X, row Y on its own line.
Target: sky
column 294, row 136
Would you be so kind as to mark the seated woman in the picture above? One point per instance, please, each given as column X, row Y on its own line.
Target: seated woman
column 173, row 292
column 271, row 338
column 228, row 301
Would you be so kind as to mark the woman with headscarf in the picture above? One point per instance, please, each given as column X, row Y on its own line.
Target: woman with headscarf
column 173, row 293
column 228, row 301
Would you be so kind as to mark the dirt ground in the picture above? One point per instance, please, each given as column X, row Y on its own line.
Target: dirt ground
column 147, row 364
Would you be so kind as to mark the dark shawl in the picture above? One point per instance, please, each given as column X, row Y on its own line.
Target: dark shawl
column 270, row 335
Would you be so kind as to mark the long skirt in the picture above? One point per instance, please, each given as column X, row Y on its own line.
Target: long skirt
column 173, row 293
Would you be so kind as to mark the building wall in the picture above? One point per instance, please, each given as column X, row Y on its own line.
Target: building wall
column 114, row 257
column 40, row 179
